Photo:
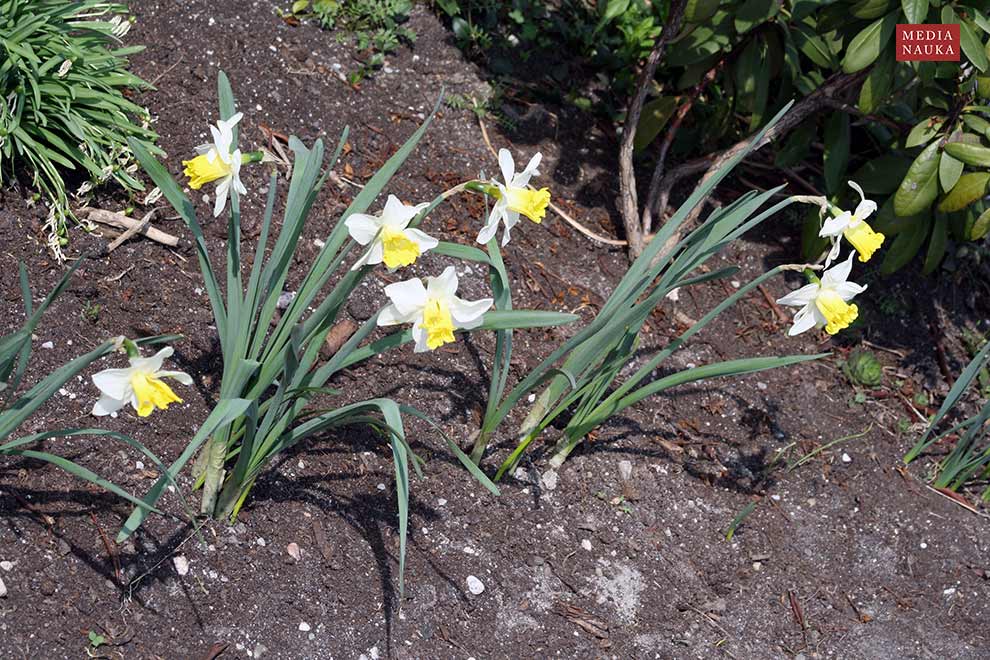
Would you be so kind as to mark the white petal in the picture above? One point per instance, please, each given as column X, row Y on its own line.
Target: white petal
column 521, row 180
column 220, row 193
column 371, row 256
column 511, row 220
column 424, row 241
column 363, row 227
column 442, row 286
column 107, row 405
column 865, row 209
column 855, row 186
column 114, row 383
column 800, row 297
column 834, row 226
column 204, row 149
column 153, row 363
column 804, row 320
column 397, row 214
column 849, row 290
column 834, row 252
column 838, row 273
column 408, row 296
column 487, row 232
column 420, row 336
column 180, row 376
column 468, row 314
column 389, row 315
column 506, row 164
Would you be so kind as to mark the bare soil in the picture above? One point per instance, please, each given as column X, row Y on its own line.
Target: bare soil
column 622, row 554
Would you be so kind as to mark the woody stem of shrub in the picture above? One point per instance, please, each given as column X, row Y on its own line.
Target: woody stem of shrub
column 628, row 202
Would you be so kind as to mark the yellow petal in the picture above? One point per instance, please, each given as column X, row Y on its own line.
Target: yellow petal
column 398, row 249
column 438, row 323
column 837, row 312
column 151, row 393
column 200, row 170
column 862, row 237
column 530, row 203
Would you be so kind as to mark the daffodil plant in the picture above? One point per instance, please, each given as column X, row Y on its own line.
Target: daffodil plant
column 273, row 374
column 16, row 407
column 583, row 376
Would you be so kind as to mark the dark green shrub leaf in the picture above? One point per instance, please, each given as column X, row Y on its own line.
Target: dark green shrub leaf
column 949, row 171
column 865, row 47
column 698, row 11
column 915, row 11
column 754, row 12
column 936, row 246
column 923, row 131
column 920, row 186
column 655, row 116
column 882, row 176
column 836, row 151
column 905, row 245
column 870, row 9
column 971, row 154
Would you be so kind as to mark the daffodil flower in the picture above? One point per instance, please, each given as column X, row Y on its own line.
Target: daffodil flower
column 434, row 310
column 514, row 198
column 854, row 227
column 140, row 385
column 216, row 162
column 392, row 240
column 824, row 303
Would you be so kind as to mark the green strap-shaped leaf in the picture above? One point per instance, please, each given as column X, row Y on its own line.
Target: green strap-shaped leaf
column 969, row 188
column 866, row 46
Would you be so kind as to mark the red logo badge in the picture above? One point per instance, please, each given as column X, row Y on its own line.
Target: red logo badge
column 928, row 43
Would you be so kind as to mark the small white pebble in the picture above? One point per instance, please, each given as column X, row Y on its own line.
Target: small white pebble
column 846, row 458
column 304, row 627
column 475, row 586
column 181, row 564
column 380, row 486
column 442, row 501
column 586, row 544
column 7, row 566
column 735, row 284
column 923, row 545
column 531, row 398
column 139, row 465
column 48, row 345
column 261, row 542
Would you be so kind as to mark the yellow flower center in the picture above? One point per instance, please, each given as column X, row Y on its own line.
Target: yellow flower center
column 438, row 323
column 200, row 170
column 398, row 249
column 530, row 203
column 837, row 312
column 151, row 393
column 862, row 237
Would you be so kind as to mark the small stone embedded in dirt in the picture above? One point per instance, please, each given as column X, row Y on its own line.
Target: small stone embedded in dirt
column 846, row 458
column 586, row 544
column 442, row 501
column 294, row 551
column 285, row 299
column 63, row 548
column 304, row 627
column 181, row 564
column 7, row 566
column 549, row 480
column 625, row 470
column 260, row 650
column 475, row 586
column 3, row 589
column 48, row 345
column 261, row 541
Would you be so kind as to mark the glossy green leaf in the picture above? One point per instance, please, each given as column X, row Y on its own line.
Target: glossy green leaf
column 967, row 190
column 924, row 131
column 754, row 12
column 878, row 83
column 882, row 175
column 698, row 11
column 920, row 186
column 870, row 9
column 971, row 154
column 866, row 46
column 976, row 123
column 889, row 223
column 836, row 151
column 971, row 46
column 980, row 227
column 949, row 171
column 797, row 145
column 915, row 11
column 936, row 245
column 655, row 116
column 905, row 246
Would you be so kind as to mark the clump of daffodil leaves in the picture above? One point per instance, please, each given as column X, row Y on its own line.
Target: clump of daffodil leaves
column 273, row 389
